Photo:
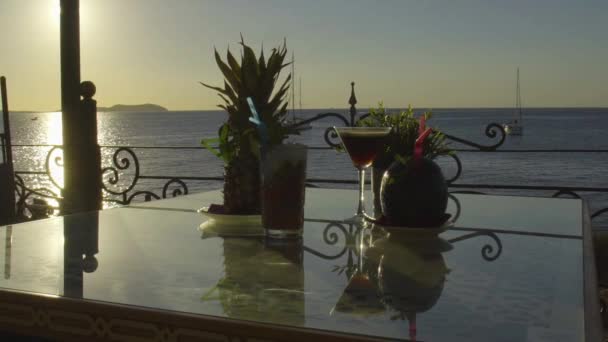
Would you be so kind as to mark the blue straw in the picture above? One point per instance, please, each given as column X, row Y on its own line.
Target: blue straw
column 255, row 118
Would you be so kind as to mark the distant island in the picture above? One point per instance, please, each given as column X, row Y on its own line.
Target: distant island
column 147, row 107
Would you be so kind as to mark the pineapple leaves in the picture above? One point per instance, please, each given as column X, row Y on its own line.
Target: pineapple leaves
column 230, row 92
column 207, row 144
column 234, row 65
column 226, row 144
column 256, row 77
column 231, row 76
column 262, row 62
column 218, row 89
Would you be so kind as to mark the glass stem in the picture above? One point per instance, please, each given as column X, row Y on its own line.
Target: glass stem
column 361, row 209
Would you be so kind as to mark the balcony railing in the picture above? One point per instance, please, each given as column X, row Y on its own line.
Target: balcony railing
column 123, row 178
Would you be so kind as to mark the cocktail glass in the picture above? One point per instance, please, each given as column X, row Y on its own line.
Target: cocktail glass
column 363, row 145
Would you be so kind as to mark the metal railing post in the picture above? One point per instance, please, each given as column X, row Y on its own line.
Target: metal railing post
column 7, row 172
column 352, row 101
column 70, row 102
column 90, row 159
column 82, row 166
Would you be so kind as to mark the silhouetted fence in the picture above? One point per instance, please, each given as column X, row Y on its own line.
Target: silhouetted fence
column 124, row 182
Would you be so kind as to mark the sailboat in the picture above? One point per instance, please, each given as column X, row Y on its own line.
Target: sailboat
column 294, row 119
column 516, row 126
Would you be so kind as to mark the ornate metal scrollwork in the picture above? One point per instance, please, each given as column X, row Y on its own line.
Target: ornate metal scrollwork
column 54, row 157
column 331, row 238
column 122, row 164
column 488, row 252
column 331, row 134
column 599, row 212
column 181, row 190
column 572, row 194
column 456, row 215
column 148, row 196
column 562, row 192
column 37, row 210
column 458, row 168
column 492, row 131
column 124, row 159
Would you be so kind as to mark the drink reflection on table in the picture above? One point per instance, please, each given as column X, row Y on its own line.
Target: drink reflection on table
column 8, row 244
column 263, row 280
column 396, row 274
column 81, row 236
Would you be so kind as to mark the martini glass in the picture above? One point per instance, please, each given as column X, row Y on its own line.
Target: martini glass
column 363, row 145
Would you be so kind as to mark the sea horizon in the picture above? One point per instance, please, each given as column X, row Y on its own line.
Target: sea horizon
column 359, row 109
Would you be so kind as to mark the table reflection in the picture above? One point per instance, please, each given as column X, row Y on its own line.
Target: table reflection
column 262, row 279
column 81, row 244
column 395, row 274
column 8, row 244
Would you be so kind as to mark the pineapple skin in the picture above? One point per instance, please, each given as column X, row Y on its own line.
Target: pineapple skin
column 242, row 188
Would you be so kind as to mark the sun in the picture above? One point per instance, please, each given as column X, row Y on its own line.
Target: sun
column 56, row 10
column 86, row 15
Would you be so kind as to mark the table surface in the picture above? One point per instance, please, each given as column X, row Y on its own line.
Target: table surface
column 511, row 269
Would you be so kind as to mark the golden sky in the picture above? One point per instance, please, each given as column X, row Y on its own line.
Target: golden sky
column 426, row 53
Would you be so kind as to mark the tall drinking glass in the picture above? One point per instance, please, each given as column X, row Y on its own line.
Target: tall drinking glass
column 363, row 145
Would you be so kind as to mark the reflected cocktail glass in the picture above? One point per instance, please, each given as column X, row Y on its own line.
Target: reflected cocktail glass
column 363, row 145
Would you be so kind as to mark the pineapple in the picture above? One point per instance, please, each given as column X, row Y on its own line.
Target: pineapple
column 238, row 139
column 242, row 185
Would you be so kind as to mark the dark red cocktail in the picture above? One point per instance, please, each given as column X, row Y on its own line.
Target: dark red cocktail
column 363, row 145
column 283, row 190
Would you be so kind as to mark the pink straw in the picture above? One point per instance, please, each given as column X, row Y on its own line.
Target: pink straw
column 419, row 146
column 422, row 125
column 412, row 326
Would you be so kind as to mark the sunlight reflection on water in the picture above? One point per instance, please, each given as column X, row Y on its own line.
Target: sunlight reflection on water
column 46, row 129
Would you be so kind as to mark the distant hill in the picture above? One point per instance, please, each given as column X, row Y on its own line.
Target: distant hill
column 147, row 107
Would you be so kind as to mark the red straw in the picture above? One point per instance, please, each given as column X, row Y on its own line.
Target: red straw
column 412, row 323
column 422, row 125
column 419, row 146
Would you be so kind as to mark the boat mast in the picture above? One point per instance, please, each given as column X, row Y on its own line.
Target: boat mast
column 300, row 89
column 518, row 99
column 293, row 89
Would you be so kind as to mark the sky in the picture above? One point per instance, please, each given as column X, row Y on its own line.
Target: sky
column 430, row 54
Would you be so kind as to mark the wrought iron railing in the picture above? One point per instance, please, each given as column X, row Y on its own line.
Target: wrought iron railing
column 125, row 163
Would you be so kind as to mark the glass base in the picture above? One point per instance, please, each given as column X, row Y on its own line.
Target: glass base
column 284, row 233
column 354, row 219
column 357, row 220
column 363, row 220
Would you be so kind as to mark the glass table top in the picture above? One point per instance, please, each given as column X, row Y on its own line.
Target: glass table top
column 509, row 270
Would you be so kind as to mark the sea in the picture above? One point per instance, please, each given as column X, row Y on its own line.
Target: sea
column 155, row 137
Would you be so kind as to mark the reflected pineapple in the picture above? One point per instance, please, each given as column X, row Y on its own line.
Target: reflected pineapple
column 263, row 282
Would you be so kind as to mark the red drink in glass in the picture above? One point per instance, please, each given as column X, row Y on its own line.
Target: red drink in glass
column 362, row 146
column 283, row 190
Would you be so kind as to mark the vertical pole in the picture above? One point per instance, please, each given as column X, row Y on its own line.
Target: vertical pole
column 7, row 172
column 352, row 101
column 82, row 165
column 89, row 157
column 7, row 127
column 70, row 101
column 81, row 244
